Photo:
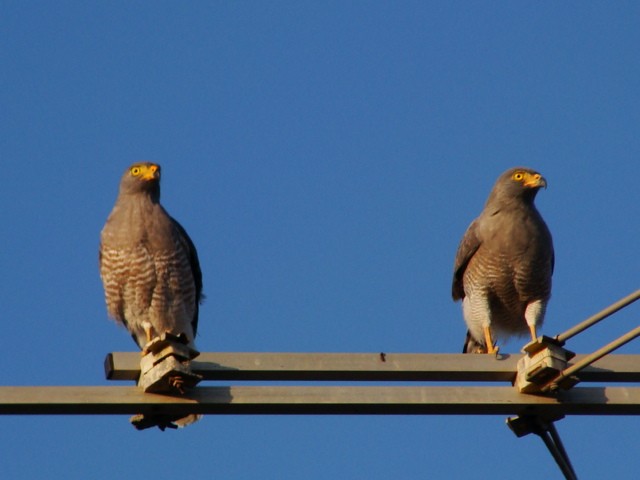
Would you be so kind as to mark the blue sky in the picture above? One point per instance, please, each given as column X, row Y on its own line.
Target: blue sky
column 326, row 158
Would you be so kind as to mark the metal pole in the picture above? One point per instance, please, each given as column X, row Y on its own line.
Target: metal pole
column 561, row 460
column 563, row 337
column 544, row 428
column 555, row 436
column 589, row 359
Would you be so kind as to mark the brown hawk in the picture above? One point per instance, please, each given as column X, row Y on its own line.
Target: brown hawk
column 148, row 264
column 504, row 263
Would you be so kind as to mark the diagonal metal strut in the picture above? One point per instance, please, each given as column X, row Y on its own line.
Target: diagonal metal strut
column 610, row 310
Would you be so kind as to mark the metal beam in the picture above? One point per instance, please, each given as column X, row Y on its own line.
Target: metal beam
column 369, row 367
column 417, row 400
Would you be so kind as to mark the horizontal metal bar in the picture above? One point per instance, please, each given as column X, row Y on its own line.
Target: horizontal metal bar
column 319, row 400
column 601, row 315
column 369, row 367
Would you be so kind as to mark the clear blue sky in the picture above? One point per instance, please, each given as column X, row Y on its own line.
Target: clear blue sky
column 326, row 158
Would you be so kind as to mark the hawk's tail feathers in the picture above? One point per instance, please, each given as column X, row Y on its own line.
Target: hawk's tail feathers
column 471, row 345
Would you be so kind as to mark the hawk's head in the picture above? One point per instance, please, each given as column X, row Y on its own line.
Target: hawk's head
column 518, row 183
column 141, row 177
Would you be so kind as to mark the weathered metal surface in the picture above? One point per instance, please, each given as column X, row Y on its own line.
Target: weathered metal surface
column 370, row 367
column 372, row 400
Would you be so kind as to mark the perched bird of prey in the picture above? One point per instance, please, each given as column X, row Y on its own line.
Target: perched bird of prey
column 148, row 264
column 504, row 263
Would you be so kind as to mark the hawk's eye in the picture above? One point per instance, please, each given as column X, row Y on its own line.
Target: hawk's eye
column 135, row 171
column 518, row 176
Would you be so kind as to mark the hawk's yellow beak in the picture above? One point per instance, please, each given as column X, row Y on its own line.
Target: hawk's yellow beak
column 152, row 172
column 534, row 180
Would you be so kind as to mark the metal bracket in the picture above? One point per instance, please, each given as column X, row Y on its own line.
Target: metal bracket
column 543, row 361
column 544, row 427
column 166, row 367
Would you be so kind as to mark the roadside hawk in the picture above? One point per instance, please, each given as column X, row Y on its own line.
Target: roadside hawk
column 504, row 263
column 148, row 264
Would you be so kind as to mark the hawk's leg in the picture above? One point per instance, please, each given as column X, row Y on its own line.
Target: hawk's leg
column 491, row 346
column 534, row 315
column 532, row 329
column 148, row 331
column 477, row 314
